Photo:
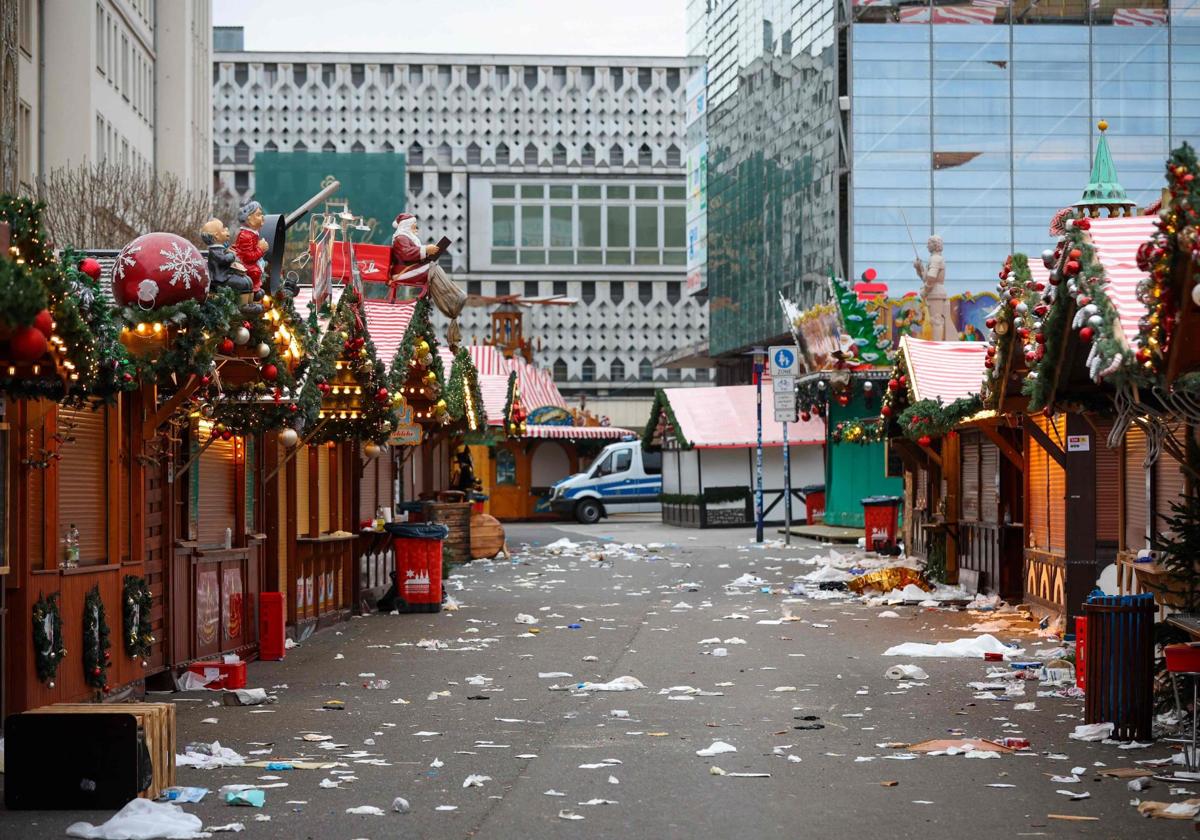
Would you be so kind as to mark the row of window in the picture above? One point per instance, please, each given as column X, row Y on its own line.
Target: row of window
column 587, row 290
column 125, row 65
column 113, row 147
column 501, row 77
column 502, row 155
column 589, row 371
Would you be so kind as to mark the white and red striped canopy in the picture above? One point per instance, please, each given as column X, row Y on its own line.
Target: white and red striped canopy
column 1116, row 242
column 536, row 384
column 386, row 322
column 576, row 432
column 943, row 370
column 724, row 418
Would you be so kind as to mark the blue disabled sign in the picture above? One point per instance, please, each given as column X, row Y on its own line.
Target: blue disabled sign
column 783, row 361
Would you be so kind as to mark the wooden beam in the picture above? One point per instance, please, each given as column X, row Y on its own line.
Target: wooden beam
column 1052, row 448
column 1006, row 449
column 188, row 464
column 151, row 425
column 931, row 454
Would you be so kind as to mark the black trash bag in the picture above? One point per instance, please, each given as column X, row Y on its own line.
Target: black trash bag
column 390, row 599
column 417, row 530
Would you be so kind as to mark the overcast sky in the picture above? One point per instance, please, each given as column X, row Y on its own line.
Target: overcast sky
column 583, row 27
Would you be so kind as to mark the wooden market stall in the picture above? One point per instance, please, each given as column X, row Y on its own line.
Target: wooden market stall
column 708, row 440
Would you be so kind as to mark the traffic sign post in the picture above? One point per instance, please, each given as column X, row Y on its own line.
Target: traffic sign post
column 784, row 367
column 784, row 360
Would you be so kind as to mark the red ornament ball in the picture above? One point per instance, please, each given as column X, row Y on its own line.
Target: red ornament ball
column 924, row 440
column 270, row 372
column 159, row 269
column 805, row 416
column 44, row 322
column 843, row 399
column 886, row 411
column 96, row 671
column 226, row 347
column 27, row 344
column 1086, row 333
column 990, row 323
column 893, row 384
column 91, row 267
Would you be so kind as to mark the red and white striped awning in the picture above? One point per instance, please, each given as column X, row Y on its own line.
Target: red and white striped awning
column 1116, row 242
column 943, row 370
column 948, row 14
column 536, row 384
column 386, row 322
column 576, row 432
column 494, row 390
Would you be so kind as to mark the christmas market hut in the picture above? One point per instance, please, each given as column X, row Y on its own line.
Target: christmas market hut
column 963, row 482
column 84, row 609
column 845, row 361
column 1065, row 345
column 708, row 438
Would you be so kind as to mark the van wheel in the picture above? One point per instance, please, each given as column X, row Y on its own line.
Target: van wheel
column 588, row 511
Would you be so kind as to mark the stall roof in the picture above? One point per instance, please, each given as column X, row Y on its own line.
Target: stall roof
column 717, row 418
column 1116, row 242
column 577, row 432
column 944, row 370
column 386, row 322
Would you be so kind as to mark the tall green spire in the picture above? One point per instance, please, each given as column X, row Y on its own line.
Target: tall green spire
column 1103, row 189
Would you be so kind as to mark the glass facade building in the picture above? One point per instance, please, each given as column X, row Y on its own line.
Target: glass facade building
column 974, row 120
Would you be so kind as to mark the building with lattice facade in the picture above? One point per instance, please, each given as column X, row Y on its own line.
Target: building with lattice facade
column 552, row 175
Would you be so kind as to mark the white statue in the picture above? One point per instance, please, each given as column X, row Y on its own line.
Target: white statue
column 933, row 292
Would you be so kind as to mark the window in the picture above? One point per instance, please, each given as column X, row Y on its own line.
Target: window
column 618, row 235
column 672, row 78
column 673, row 291
column 502, row 155
column 24, row 143
column 622, row 460
column 533, row 223
column 645, row 291
column 26, row 9
column 299, row 75
column 531, row 155
column 616, row 155
column 474, row 288
column 502, row 288
column 645, row 156
column 359, row 147
column 444, row 183
column 531, row 77
column 473, row 77
column 647, row 235
column 387, row 75
column 645, row 370
column 560, row 290
column 416, row 155
column 560, row 154
column 645, row 77
column 616, row 291
column 616, row 371
column 674, row 374
column 504, row 226
column 270, row 74
column 589, row 367
column 560, row 369
column 506, row 467
column 328, row 146
column 416, row 76
column 587, row 78
column 587, row 291
column 241, row 70
column 701, row 374
column 531, row 289
column 241, row 152
column 502, row 77
column 416, row 182
column 474, row 155
column 652, row 462
column 674, row 158
column 241, row 181
column 616, row 77
column 587, row 156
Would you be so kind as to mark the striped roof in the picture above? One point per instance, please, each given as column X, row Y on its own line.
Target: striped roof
column 536, row 384
column 386, row 322
column 943, row 370
column 533, row 430
column 1116, row 242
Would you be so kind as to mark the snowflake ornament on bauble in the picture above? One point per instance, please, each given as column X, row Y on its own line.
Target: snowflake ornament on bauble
column 157, row 270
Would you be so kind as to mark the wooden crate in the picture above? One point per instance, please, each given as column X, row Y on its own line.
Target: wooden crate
column 157, row 721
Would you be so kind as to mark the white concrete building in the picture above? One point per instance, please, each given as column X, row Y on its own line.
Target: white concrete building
column 553, row 175
column 124, row 80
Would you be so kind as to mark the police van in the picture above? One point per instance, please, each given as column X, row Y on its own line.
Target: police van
column 623, row 479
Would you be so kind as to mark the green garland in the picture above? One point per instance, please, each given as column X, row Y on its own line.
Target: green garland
column 1015, row 317
column 813, row 397
column 96, row 644
column 348, row 340
column 861, row 431
column 420, row 327
column 932, row 418
column 660, row 407
column 136, row 607
column 48, row 650
column 514, row 426
column 463, row 378
column 204, row 325
column 1167, row 258
column 95, row 330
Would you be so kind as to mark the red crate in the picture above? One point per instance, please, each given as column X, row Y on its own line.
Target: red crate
column 1080, row 651
column 233, row 675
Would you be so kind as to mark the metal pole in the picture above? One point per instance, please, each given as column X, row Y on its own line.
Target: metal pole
column 758, row 454
column 787, row 489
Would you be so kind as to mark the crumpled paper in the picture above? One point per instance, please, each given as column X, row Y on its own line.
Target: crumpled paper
column 142, row 819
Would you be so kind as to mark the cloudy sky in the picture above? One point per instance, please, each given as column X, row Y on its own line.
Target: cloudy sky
column 586, row 27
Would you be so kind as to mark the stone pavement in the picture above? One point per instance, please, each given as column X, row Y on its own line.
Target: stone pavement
column 476, row 699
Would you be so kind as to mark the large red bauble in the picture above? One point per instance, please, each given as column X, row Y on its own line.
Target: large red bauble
column 159, row 269
column 270, row 372
column 44, row 322
column 226, row 347
column 924, row 440
column 26, row 345
column 91, row 267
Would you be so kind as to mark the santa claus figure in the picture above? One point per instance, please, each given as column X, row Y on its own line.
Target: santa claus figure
column 249, row 245
column 411, row 260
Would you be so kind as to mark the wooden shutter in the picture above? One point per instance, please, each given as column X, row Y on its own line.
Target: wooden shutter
column 970, row 476
column 83, row 481
column 368, row 489
column 1057, row 495
column 250, row 454
column 301, row 460
column 1108, row 478
column 989, row 482
column 387, row 480
column 35, row 483
column 216, row 509
column 125, row 503
column 922, row 488
column 322, row 493
column 1134, row 489
column 1168, row 489
column 1038, row 521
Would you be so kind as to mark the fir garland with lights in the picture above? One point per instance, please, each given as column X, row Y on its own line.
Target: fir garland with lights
column 136, row 607
column 927, row 419
column 48, row 650
column 190, row 333
column 861, row 431
column 348, row 381
column 514, row 410
column 660, row 414
column 1017, row 291
column 1170, row 258
column 417, row 368
column 96, row 643
column 464, row 400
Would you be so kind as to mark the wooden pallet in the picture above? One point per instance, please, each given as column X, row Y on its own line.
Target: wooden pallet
column 157, row 721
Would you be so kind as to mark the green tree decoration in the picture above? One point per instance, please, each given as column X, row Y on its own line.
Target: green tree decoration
column 96, row 654
column 48, row 650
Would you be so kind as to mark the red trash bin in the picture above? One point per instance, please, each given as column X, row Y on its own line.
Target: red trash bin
column 419, row 574
column 814, row 503
column 272, row 633
column 879, row 520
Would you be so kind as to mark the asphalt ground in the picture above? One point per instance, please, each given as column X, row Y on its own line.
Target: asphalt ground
column 829, row 665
